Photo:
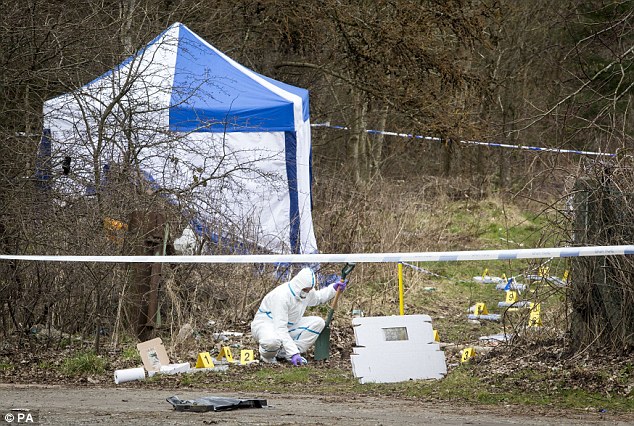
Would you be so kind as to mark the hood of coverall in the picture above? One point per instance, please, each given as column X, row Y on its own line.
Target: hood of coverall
column 305, row 278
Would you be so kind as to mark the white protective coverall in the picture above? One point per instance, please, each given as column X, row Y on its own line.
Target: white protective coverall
column 279, row 325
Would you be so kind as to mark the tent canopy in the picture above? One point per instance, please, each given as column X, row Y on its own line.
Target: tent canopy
column 188, row 113
column 255, row 104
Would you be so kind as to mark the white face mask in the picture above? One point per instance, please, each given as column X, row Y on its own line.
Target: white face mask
column 303, row 294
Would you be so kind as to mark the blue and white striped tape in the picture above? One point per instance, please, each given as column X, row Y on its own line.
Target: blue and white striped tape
column 423, row 270
column 443, row 256
column 492, row 144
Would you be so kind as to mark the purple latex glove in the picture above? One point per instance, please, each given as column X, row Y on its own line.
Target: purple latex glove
column 340, row 285
column 298, row 360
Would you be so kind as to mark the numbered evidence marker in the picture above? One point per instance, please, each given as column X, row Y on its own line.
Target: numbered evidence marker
column 480, row 309
column 225, row 352
column 534, row 320
column 204, row 360
column 436, row 336
column 511, row 296
column 246, row 356
column 466, row 354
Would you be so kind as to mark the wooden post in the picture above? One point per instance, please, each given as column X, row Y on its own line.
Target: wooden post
column 148, row 228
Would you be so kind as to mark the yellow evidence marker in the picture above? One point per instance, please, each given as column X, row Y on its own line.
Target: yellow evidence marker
column 246, row 356
column 511, row 296
column 225, row 352
column 466, row 354
column 436, row 336
column 204, row 360
column 534, row 320
column 480, row 309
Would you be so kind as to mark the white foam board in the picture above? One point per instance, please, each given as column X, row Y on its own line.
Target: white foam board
column 372, row 331
column 395, row 349
column 401, row 346
column 377, row 367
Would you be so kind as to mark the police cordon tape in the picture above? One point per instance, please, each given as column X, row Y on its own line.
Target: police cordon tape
column 443, row 256
column 468, row 142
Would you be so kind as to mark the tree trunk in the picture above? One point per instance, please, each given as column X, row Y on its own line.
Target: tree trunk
column 447, row 153
column 376, row 145
column 601, row 295
column 357, row 142
column 148, row 228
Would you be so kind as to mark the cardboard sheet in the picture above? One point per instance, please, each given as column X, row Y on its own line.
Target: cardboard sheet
column 153, row 354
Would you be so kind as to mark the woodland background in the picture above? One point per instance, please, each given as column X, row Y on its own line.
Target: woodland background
column 537, row 73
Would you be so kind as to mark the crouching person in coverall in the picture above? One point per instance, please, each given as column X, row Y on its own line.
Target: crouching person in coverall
column 279, row 325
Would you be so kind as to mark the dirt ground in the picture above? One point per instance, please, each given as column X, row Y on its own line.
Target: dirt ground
column 61, row 405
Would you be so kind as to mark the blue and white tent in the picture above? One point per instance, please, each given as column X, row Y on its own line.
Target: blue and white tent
column 198, row 123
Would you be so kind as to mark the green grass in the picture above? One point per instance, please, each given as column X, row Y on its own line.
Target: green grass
column 189, row 380
column 46, row 365
column 65, row 342
column 131, row 354
column 484, row 225
column 84, row 364
column 495, row 223
column 462, row 384
column 286, row 376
